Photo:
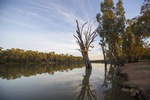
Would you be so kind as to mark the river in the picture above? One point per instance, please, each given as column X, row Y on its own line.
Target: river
column 59, row 82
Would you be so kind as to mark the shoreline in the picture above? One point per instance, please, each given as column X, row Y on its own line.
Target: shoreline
column 136, row 79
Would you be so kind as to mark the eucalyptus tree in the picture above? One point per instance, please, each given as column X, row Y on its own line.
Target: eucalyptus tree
column 108, row 22
column 141, row 30
column 101, row 33
column 137, row 34
column 128, row 42
column 111, row 27
column 105, row 28
column 119, row 31
column 84, row 39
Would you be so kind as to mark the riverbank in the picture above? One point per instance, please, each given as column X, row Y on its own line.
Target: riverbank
column 137, row 80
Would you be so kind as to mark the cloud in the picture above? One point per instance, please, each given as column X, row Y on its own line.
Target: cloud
column 3, row 19
column 66, row 42
column 52, row 25
column 59, row 11
column 55, row 12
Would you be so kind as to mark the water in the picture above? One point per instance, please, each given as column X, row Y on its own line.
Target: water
column 61, row 82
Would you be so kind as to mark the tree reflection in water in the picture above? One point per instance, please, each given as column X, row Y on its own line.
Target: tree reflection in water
column 86, row 93
column 112, row 85
column 15, row 71
column 105, row 83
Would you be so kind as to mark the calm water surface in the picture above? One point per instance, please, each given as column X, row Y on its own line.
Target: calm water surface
column 61, row 82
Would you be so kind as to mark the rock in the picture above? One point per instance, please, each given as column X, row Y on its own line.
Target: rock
column 132, row 92
column 135, row 90
column 125, row 90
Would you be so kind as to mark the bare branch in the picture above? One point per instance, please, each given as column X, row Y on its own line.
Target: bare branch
column 85, row 41
column 83, row 27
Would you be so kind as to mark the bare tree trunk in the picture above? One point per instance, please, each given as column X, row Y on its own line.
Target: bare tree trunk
column 86, row 60
column 85, row 40
column 129, row 59
column 103, row 50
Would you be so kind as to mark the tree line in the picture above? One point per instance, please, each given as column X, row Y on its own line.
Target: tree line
column 16, row 55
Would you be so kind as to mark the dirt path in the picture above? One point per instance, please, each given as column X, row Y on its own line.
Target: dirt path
column 137, row 79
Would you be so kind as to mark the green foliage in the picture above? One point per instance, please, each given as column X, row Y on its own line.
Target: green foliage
column 120, row 40
column 146, row 54
column 21, row 56
column 111, row 28
column 141, row 25
column 137, row 31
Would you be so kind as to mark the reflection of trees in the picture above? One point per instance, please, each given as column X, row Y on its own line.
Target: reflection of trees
column 16, row 71
column 108, row 75
column 110, row 93
column 105, row 83
column 86, row 93
column 114, row 92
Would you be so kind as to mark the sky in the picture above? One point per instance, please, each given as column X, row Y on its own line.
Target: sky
column 49, row 25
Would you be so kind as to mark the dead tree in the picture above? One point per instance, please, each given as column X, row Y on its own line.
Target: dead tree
column 85, row 40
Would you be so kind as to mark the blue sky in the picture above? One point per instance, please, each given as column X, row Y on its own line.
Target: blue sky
column 49, row 25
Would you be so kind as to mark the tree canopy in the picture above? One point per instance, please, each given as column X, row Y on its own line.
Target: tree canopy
column 16, row 55
column 122, row 39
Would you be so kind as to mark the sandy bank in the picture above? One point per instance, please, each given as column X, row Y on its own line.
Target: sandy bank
column 137, row 81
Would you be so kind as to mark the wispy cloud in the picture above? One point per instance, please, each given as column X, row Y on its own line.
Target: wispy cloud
column 51, row 23
column 67, row 15
column 3, row 19
column 61, row 13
